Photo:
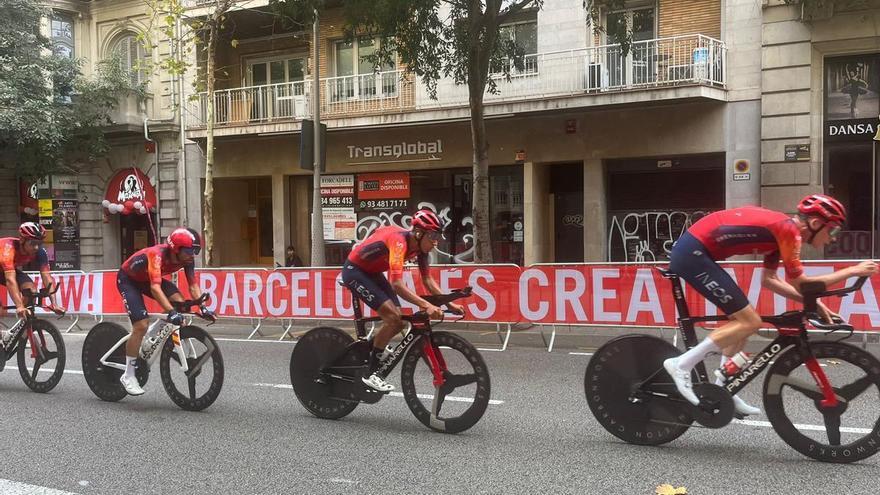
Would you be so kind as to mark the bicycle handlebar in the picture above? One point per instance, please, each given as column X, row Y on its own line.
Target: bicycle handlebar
column 444, row 299
column 33, row 299
column 187, row 305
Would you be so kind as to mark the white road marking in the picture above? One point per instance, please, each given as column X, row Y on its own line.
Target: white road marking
column 766, row 424
column 342, row 480
column 52, row 370
column 393, row 394
column 9, row 487
column 267, row 341
column 581, row 353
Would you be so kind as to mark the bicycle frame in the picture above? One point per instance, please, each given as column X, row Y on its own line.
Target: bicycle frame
column 23, row 324
column 150, row 354
column 792, row 332
column 421, row 327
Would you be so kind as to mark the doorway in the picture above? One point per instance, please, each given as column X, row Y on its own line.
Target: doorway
column 567, row 188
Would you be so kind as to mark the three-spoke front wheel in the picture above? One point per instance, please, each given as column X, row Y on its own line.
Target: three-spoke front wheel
column 199, row 386
column 465, row 375
column 41, row 356
column 845, row 433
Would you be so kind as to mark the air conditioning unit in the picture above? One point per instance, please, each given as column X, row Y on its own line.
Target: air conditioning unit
column 301, row 106
column 596, row 77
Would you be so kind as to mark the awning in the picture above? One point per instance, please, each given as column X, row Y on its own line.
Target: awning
column 130, row 191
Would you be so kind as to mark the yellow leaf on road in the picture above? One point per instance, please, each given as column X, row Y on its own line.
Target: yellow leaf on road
column 667, row 489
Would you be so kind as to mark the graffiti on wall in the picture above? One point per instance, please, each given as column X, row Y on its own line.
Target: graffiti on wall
column 640, row 236
column 367, row 225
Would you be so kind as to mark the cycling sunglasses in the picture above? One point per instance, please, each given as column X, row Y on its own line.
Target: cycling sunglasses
column 834, row 230
column 191, row 251
column 433, row 236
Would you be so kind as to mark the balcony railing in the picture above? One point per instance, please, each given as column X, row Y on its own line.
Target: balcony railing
column 664, row 62
column 658, row 63
column 340, row 96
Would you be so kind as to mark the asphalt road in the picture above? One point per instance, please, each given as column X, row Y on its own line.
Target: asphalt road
column 539, row 437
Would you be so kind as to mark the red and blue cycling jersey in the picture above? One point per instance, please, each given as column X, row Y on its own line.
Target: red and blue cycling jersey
column 386, row 249
column 152, row 263
column 13, row 259
column 752, row 230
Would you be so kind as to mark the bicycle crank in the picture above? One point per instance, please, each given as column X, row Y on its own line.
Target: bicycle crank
column 715, row 409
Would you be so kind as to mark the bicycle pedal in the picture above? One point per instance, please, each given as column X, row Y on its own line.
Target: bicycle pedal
column 737, row 415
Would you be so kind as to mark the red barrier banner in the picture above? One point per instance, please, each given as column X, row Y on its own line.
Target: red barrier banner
column 594, row 294
column 78, row 292
column 639, row 295
column 316, row 293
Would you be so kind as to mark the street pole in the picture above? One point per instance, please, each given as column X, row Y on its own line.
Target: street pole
column 317, row 215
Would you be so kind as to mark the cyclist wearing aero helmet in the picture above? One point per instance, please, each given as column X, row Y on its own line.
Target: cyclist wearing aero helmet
column 15, row 254
column 141, row 275
column 387, row 249
column 748, row 230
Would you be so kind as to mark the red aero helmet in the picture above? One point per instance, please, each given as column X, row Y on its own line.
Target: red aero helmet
column 826, row 207
column 31, row 230
column 426, row 220
column 185, row 238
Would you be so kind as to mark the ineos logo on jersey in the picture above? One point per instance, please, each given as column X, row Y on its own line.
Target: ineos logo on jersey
column 714, row 287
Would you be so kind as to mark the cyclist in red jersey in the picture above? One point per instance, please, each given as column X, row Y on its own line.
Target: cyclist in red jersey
column 15, row 254
column 387, row 249
column 141, row 275
column 749, row 230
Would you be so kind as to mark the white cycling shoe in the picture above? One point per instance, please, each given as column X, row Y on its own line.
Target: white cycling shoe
column 131, row 385
column 744, row 407
column 682, row 380
column 376, row 383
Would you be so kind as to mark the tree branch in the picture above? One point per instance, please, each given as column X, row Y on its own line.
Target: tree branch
column 514, row 9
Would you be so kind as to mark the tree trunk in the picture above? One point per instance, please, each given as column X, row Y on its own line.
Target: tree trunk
column 479, row 140
column 482, row 39
column 209, row 153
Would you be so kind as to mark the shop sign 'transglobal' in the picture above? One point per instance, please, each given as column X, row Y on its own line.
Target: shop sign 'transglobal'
column 398, row 152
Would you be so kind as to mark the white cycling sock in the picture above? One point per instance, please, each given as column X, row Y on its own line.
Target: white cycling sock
column 724, row 360
column 129, row 365
column 689, row 359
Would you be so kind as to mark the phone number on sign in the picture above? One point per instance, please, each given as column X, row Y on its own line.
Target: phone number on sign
column 382, row 204
column 338, row 201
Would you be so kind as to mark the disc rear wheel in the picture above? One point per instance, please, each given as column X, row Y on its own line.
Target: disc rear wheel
column 619, row 385
column 313, row 352
column 102, row 379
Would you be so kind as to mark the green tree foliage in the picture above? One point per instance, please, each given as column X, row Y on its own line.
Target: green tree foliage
column 50, row 114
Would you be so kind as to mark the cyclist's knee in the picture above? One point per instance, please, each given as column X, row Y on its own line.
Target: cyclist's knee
column 749, row 319
column 140, row 326
column 391, row 316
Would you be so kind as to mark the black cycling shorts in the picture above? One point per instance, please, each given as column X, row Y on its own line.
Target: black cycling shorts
column 690, row 261
column 372, row 289
column 133, row 293
column 20, row 277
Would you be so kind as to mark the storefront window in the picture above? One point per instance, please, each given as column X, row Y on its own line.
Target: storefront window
column 851, row 107
column 448, row 192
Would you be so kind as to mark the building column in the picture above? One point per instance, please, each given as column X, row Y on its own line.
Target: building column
column 537, row 221
column 743, row 140
column 595, row 211
column 280, row 216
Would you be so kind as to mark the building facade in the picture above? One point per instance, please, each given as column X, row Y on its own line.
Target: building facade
column 820, row 84
column 595, row 154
